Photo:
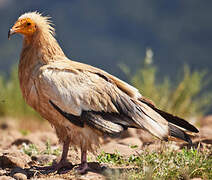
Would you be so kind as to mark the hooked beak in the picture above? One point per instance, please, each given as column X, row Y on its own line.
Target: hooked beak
column 10, row 33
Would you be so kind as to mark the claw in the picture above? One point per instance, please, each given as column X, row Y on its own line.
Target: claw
column 56, row 167
column 83, row 168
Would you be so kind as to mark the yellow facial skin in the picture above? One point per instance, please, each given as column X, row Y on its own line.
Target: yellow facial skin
column 25, row 26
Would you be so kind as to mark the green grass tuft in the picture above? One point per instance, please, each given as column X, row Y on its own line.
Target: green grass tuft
column 30, row 149
column 33, row 150
column 167, row 164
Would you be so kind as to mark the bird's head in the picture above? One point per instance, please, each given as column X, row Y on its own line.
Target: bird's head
column 30, row 23
column 25, row 26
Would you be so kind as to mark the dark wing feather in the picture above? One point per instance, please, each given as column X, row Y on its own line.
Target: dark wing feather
column 99, row 121
column 178, row 133
column 76, row 120
column 111, row 124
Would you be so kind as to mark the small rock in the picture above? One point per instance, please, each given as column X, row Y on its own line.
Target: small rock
column 20, row 141
column 20, row 176
column 11, row 159
column 2, row 172
column 6, row 178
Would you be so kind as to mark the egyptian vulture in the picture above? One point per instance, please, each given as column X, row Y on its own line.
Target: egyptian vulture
column 82, row 102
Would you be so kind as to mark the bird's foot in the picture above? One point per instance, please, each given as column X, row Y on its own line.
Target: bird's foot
column 83, row 168
column 59, row 167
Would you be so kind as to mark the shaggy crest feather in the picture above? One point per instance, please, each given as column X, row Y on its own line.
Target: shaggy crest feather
column 42, row 22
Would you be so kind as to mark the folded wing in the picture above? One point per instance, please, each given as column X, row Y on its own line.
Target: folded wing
column 99, row 100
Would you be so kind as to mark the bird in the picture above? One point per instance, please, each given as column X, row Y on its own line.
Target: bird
column 83, row 103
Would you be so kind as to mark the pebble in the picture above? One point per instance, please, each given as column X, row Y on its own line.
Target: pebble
column 6, row 178
column 11, row 159
column 20, row 176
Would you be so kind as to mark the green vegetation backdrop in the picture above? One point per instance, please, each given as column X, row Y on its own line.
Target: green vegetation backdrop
column 183, row 98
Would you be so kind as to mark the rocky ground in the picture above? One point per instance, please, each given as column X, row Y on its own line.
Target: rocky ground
column 25, row 145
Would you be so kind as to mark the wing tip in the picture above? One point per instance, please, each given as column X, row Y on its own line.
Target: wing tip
column 179, row 134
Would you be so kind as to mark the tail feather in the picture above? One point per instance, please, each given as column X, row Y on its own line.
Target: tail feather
column 173, row 119
column 174, row 124
column 152, row 121
column 178, row 133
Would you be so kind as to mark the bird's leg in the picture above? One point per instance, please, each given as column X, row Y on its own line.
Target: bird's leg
column 63, row 161
column 83, row 167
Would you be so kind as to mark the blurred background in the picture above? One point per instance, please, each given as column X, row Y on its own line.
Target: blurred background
column 164, row 48
column 161, row 47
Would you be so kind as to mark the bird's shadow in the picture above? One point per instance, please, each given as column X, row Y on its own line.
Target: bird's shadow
column 94, row 167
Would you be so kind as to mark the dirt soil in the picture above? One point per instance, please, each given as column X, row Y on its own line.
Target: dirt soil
column 19, row 159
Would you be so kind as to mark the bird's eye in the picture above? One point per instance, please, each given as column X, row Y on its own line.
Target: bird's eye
column 28, row 24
